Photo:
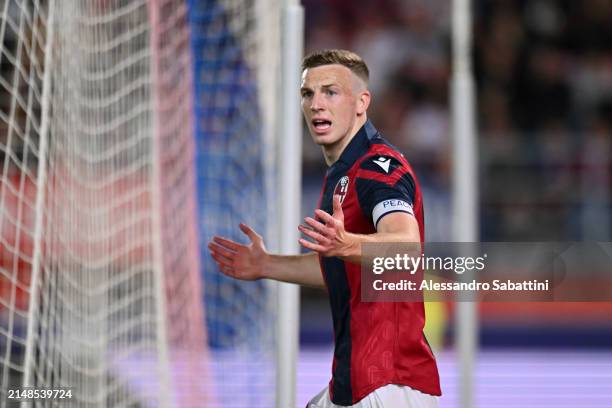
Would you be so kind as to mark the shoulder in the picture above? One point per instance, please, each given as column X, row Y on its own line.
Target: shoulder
column 383, row 162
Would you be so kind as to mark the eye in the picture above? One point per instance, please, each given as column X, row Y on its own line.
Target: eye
column 306, row 94
column 330, row 92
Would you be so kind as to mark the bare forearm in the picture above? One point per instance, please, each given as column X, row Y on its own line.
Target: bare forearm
column 353, row 252
column 394, row 228
column 299, row 269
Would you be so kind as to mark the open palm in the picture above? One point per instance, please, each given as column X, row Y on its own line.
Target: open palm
column 237, row 260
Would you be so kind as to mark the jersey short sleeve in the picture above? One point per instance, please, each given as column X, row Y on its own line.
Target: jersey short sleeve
column 384, row 186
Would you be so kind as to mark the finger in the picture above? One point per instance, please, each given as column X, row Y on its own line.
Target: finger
column 221, row 260
column 314, row 235
column 249, row 232
column 309, row 245
column 228, row 270
column 234, row 246
column 317, row 226
column 221, row 250
column 337, row 204
column 324, row 216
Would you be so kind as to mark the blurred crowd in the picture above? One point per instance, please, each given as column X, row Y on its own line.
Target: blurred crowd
column 544, row 84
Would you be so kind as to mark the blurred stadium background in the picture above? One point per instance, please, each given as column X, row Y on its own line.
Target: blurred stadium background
column 544, row 86
column 543, row 70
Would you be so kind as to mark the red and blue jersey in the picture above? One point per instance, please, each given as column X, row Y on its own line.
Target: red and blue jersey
column 376, row 343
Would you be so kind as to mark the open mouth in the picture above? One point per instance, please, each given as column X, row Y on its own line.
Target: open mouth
column 321, row 124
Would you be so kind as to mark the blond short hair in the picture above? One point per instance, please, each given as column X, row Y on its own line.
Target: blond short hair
column 341, row 57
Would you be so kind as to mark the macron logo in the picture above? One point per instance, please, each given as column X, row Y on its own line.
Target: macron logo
column 383, row 162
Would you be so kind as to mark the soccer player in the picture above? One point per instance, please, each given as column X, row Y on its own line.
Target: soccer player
column 370, row 194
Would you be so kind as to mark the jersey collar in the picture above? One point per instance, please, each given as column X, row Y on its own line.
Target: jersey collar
column 357, row 147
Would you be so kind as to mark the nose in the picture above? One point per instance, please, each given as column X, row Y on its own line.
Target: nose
column 316, row 103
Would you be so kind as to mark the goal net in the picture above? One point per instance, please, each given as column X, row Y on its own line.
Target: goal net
column 107, row 200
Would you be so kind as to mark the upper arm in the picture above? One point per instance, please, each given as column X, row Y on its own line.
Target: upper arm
column 386, row 191
column 400, row 223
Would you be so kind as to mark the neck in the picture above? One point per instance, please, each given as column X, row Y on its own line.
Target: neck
column 333, row 152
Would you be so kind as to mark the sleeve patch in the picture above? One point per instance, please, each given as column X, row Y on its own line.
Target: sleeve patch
column 389, row 206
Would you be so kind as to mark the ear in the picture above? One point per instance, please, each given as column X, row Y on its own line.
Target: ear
column 363, row 102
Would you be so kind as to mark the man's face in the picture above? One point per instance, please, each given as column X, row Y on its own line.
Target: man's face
column 331, row 103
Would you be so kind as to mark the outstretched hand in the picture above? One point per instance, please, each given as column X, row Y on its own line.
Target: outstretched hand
column 327, row 231
column 237, row 260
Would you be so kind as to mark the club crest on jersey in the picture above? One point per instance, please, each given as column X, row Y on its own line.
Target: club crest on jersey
column 341, row 188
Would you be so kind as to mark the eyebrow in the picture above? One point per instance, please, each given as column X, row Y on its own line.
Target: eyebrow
column 305, row 88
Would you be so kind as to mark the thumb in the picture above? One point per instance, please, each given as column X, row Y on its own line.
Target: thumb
column 338, row 207
column 249, row 232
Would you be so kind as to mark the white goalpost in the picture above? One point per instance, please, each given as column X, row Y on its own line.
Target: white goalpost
column 465, row 186
column 290, row 160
